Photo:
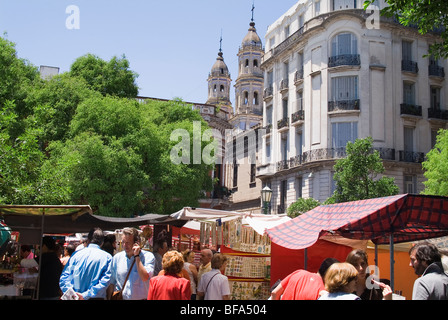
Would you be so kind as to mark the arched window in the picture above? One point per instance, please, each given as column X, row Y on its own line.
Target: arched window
column 246, row 97
column 247, row 63
column 214, row 88
column 344, row 43
column 255, row 63
column 255, row 98
column 221, row 88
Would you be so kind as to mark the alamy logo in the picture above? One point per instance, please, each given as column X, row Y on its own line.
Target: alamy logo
column 73, row 20
column 218, row 149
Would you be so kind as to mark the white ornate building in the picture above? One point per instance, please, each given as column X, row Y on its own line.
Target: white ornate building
column 332, row 74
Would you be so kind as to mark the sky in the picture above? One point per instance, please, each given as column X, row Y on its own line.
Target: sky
column 171, row 45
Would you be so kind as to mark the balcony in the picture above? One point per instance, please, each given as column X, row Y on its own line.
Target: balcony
column 434, row 113
column 409, row 66
column 298, row 117
column 284, row 85
column 268, row 92
column 282, row 165
column 343, row 105
column 411, row 156
column 436, row 71
column 407, row 109
column 298, row 77
column 344, row 60
column 283, row 123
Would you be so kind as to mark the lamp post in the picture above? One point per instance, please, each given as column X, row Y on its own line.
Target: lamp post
column 266, row 195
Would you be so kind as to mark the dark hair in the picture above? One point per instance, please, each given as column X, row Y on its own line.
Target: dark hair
column 427, row 252
column 325, row 265
column 96, row 236
column 49, row 242
column 70, row 249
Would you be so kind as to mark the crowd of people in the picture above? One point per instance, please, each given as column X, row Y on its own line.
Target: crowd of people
column 349, row 280
column 94, row 270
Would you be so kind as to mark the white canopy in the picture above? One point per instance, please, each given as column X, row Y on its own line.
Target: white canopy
column 259, row 222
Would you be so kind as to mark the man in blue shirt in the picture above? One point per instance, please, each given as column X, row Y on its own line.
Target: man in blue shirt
column 137, row 286
column 88, row 270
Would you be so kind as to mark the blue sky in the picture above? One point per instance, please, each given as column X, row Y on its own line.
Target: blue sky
column 172, row 45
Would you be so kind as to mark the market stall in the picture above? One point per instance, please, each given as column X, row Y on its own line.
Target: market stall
column 31, row 222
column 387, row 220
column 242, row 238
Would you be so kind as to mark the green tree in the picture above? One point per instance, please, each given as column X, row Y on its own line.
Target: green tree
column 428, row 15
column 356, row 175
column 107, row 77
column 117, row 159
column 436, row 167
column 20, row 157
column 54, row 103
column 302, row 205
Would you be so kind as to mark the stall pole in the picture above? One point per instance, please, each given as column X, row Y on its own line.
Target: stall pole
column 305, row 255
column 40, row 253
column 392, row 262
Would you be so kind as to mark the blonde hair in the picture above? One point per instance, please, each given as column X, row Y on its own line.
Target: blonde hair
column 339, row 275
column 172, row 262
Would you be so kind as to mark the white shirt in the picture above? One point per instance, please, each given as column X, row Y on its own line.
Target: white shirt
column 218, row 285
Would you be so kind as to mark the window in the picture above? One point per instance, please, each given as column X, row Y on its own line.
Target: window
column 299, row 142
column 343, row 132
column 253, row 171
column 285, row 108
column 317, row 7
column 247, row 63
column 408, row 139
column 255, row 102
column 246, row 97
column 269, row 115
column 344, row 88
column 408, row 93
column 435, row 97
column 284, row 151
column 344, row 43
column 235, row 174
column 299, row 100
column 283, row 196
column 406, row 50
column 301, row 21
column 221, row 88
column 299, row 188
column 287, row 31
column 255, row 63
column 410, row 184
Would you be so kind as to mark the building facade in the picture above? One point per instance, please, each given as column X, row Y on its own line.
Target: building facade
column 333, row 74
column 242, row 142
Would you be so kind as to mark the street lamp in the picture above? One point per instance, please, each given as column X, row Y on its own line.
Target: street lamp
column 266, row 195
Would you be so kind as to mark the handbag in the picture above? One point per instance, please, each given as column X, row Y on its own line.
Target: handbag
column 118, row 294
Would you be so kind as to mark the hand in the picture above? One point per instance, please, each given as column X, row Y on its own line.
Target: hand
column 80, row 297
column 387, row 292
column 136, row 248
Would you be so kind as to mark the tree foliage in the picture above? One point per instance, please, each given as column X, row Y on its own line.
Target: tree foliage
column 82, row 138
column 356, row 176
column 436, row 167
column 302, row 205
column 108, row 77
column 428, row 15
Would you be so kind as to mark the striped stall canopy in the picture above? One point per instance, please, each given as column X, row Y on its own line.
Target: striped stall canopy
column 406, row 217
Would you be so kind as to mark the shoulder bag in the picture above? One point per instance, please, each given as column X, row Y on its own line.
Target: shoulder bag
column 118, row 294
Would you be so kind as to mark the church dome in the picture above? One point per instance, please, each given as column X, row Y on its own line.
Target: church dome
column 220, row 67
column 252, row 39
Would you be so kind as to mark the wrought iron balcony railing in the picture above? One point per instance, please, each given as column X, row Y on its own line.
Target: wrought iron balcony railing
column 411, row 156
column 409, row 66
column 410, row 109
column 283, row 123
column 437, row 71
column 344, row 60
column 437, row 114
column 298, row 116
column 343, row 105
